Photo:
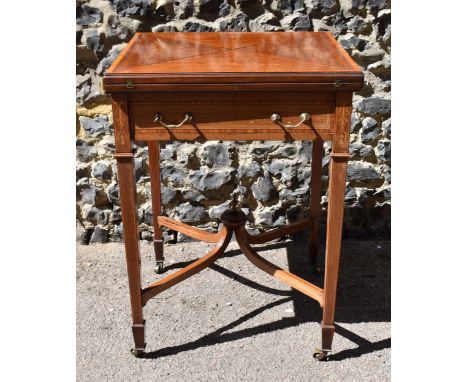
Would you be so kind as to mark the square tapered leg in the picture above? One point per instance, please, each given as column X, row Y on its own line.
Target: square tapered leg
column 155, row 178
column 315, row 207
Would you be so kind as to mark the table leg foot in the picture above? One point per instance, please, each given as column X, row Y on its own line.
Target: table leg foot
column 159, row 255
column 158, row 245
column 139, row 339
column 159, row 268
column 327, row 336
column 321, row 354
column 137, row 352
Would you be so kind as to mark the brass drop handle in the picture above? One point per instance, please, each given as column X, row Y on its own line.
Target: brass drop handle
column 159, row 118
column 276, row 118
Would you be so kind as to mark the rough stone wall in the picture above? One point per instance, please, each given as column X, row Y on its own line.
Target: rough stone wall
column 271, row 177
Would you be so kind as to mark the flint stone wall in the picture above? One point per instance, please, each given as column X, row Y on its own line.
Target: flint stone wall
column 272, row 178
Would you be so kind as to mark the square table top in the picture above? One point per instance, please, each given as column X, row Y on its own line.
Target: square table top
column 234, row 57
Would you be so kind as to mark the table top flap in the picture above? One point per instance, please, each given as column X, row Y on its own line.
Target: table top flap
column 233, row 57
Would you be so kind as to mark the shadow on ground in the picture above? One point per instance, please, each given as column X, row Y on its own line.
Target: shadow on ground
column 363, row 296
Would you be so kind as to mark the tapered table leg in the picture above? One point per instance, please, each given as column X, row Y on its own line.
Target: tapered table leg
column 315, row 194
column 125, row 167
column 127, row 186
column 338, row 167
column 155, row 178
column 336, row 190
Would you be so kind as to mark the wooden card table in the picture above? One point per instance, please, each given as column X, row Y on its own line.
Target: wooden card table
column 233, row 86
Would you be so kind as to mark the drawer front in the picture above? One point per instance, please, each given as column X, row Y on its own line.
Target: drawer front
column 233, row 116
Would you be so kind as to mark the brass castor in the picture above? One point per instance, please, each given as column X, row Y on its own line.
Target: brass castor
column 321, row 355
column 137, row 352
column 159, row 268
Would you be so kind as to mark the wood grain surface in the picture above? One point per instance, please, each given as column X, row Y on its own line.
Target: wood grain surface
column 233, row 116
column 232, row 58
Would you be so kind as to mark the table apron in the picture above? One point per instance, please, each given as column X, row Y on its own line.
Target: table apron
column 244, row 116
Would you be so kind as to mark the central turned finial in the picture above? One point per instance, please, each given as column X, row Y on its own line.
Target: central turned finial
column 234, row 216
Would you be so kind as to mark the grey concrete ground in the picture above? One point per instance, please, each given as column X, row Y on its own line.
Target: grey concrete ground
column 232, row 322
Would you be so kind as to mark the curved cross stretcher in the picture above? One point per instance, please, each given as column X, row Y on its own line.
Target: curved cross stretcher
column 233, row 221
